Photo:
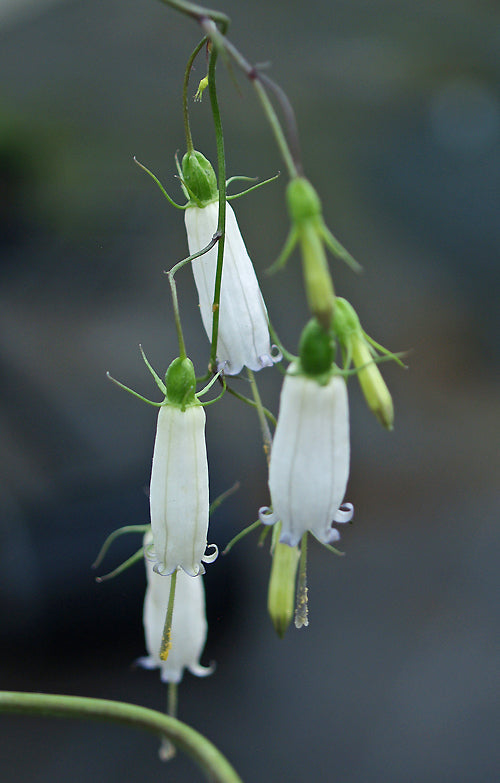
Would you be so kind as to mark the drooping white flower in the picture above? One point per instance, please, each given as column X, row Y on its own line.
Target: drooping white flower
column 179, row 490
column 189, row 624
column 309, row 465
column 243, row 336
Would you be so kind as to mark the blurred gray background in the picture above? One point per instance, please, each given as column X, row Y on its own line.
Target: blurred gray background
column 398, row 106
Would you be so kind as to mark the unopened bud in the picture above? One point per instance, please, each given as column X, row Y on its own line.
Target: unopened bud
column 374, row 387
column 281, row 595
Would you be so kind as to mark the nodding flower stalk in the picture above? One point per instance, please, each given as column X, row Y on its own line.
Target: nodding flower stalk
column 309, row 465
column 179, row 501
column 243, row 335
column 189, row 624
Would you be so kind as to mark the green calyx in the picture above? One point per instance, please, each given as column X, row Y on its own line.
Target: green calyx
column 316, row 349
column 180, row 381
column 303, row 201
column 345, row 319
column 199, row 178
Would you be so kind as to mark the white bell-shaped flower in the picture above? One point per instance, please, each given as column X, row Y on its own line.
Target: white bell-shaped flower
column 309, row 465
column 178, row 496
column 189, row 624
column 243, row 338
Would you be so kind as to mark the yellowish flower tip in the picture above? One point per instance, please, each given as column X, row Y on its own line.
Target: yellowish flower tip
column 201, row 89
column 347, row 329
column 281, row 594
column 374, row 387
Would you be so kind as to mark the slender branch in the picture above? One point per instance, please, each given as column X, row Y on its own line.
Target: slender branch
column 264, row 426
column 215, row 766
column 185, row 110
column 221, row 222
column 198, row 12
column 215, row 27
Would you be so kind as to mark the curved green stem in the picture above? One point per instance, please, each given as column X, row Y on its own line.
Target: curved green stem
column 264, row 426
column 221, row 222
column 253, row 404
column 185, row 110
column 215, row 766
column 198, row 12
column 215, row 26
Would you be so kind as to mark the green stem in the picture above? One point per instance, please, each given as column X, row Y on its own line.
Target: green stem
column 276, row 128
column 177, row 316
column 175, row 302
column 204, row 754
column 185, row 111
column 242, row 397
column 208, row 20
column 264, row 426
column 221, row 222
column 198, row 12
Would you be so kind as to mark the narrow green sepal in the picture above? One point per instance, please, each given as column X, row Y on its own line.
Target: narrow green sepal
column 155, row 179
column 290, row 243
column 339, row 250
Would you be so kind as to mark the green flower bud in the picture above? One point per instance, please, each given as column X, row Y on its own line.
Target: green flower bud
column 180, row 381
column 316, row 348
column 303, row 201
column 199, row 178
column 350, row 335
column 345, row 320
column 374, row 387
column 281, row 595
column 305, row 212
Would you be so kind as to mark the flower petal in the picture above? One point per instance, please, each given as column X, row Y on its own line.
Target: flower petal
column 243, row 324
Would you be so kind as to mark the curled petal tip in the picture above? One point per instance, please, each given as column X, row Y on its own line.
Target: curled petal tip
column 212, row 555
column 202, row 671
column 289, row 538
column 345, row 513
column 266, row 515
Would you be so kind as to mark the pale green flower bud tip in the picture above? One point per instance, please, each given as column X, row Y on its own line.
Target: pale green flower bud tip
column 180, row 381
column 316, row 349
column 281, row 595
column 345, row 319
column 199, row 178
column 303, row 201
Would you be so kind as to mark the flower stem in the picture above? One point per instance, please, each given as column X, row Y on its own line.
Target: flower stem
column 261, row 412
column 185, row 110
column 221, row 222
column 215, row 26
column 204, row 754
